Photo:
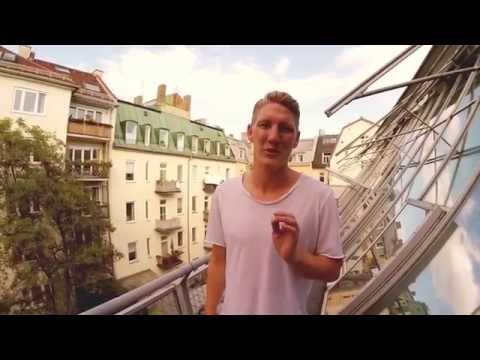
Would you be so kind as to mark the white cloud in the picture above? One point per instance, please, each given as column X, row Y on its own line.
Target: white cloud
column 453, row 276
column 281, row 66
column 225, row 93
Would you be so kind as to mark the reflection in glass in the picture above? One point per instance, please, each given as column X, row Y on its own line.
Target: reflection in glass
column 450, row 284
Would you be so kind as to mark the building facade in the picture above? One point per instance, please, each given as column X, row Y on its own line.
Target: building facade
column 165, row 170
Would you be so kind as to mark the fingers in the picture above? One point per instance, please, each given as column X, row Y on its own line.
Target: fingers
column 290, row 220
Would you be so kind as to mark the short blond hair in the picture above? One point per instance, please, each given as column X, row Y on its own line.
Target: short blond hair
column 281, row 98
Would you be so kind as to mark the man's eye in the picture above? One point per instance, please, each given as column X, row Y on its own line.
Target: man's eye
column 286, row 129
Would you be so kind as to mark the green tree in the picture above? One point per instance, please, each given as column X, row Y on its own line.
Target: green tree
column 52, row 234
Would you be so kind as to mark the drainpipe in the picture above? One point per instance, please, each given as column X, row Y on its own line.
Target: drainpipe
column 188, row 210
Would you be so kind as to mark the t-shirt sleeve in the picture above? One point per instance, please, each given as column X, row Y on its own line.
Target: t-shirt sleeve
column 215, row 234
column 328, row 242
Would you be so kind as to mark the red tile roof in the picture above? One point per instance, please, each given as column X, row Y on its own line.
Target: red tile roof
column 77, row 77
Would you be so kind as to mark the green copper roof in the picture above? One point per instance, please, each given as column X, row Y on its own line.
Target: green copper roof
column 144, row 116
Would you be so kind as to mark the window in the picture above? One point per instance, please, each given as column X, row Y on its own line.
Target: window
column 194, row 204
column 206, row 146
column 34, row 205
column 227, row 150
column 130, row 211
column 227, row 173
column 194, row 238
column 163, row 138
column 129, row 173
column 194, row 144
column 326, row 158
column 92, row 87
column 180, row 173
column 90, row 114
column 147, row 135
column 29, row 101
column 218, row 147
column 146, row 209
column 180, row 238
column 98, row 116
column 242, row 154
column 131, row 133
column 80, row 114
column 73, row 111
column 95, row 193
column 322, row 178
column 329, row 141
column 163, row 172
column 180, row 142
column 163, row 209
column 205, row 235
column 194, row 173
column 300, row 157
column 179, row 205
column 207, row 170
column 132, row 251
column 205, row 203
column 146, row 171
column 148, row 246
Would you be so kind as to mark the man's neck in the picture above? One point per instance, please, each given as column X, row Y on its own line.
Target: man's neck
column 266, row 181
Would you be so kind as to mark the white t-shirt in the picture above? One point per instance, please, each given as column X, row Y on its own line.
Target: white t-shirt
column 257, row 279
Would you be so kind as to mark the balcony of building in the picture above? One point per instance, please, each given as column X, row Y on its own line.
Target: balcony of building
column 89, row 170
column 205, row 215
column 169, row 261
column 167, row 225
column 166, row 187
column 78, row 128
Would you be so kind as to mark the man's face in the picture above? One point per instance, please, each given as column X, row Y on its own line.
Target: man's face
column 274, row 134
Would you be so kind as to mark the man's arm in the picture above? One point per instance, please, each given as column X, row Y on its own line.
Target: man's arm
column 316, row 266
column 215, row 279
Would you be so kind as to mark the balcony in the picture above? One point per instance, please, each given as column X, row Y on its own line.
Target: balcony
column 210, row 183
column 205, row 216
column 165, row 226
column 169, row 261
column 166, row 187
column 82, row 128
column 89, row 170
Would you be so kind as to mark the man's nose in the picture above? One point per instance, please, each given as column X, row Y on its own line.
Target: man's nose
column 274, row 134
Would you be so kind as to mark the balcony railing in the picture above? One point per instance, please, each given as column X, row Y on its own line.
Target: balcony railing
column 205, row 215
column 180, row 292
column 166, row 187
column 169, row 261
column 89, row 128
column 89, row 169
column 168, row 225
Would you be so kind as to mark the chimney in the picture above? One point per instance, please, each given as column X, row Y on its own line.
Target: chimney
column 188, row 102
column 138, row 100
column 24, row 51
column 161, row 94
column 98, row 73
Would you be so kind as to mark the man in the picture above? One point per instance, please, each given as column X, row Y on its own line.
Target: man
column 273, row 230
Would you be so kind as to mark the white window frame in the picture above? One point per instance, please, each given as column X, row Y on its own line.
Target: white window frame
column 146, row 211
column 147, row 138
column 183, row 243
column 227, row 150
column 126, row 170
column 163, row 170
column 180, row 201
column 180, row 173
column 22, row 101
column 181, row 137
column 163, row 205
column 194, row 202
column 132, row 140
column 324, row 157
column 163, row 132
column 75, row 109
column 194, row 144
column 194, row 235
column 218, row 148
column 135, row 250
column 194, row 173
column 206, row 146
column 146, row 171
column 133, row 212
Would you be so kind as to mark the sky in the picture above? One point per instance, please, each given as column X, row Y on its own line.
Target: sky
column 225, row 81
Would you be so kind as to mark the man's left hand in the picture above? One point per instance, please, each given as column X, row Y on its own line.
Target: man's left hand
column 285, row 232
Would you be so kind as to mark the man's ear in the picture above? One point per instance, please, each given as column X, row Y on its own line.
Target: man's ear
column 249, row 132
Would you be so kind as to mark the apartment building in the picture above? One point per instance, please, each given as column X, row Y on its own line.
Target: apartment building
column 165, row 170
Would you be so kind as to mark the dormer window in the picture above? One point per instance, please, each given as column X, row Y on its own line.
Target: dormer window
column 92, row 87
column 206, row 146
column 131, row 132
column 147, row 135
column 194, row 144
column 180, row 142
column 163, row 138
column 227, row 150
column 218, row 148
